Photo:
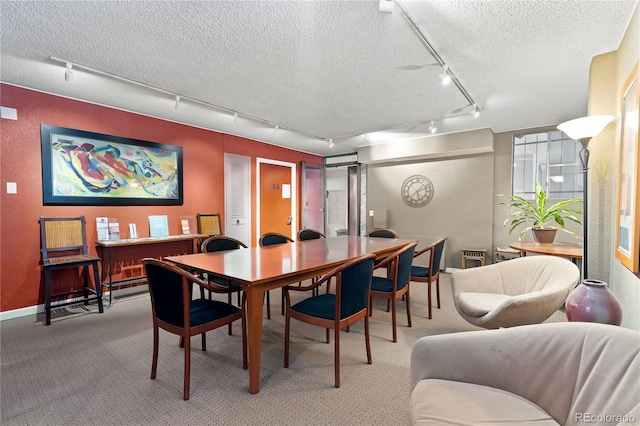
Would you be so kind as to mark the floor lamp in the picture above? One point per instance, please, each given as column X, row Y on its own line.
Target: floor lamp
column 583, row 129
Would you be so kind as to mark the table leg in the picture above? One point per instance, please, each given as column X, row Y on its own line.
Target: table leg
column 254, row 330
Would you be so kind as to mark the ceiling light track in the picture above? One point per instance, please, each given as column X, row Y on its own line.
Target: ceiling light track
column 178, row 98
column 434, row 53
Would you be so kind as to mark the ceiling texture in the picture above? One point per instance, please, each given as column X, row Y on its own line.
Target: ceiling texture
column 323, row 77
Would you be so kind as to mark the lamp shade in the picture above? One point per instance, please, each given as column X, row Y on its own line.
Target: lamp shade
column 585, row 128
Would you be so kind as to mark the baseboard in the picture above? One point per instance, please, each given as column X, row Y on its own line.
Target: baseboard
column 38, row 309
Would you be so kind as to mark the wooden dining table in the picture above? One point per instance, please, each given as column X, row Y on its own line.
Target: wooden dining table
column 259, row 269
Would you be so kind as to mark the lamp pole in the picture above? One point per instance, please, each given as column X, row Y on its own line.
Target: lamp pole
column 583, row 129
column 584, row 159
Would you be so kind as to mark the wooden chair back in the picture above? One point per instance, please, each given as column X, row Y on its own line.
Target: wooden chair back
column 209, row 224
column 64, row 234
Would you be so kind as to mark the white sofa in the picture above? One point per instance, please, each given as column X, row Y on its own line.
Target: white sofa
column 544, row 374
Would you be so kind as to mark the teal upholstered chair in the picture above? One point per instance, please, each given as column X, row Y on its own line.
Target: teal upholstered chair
column 223, row 243
column 175, row 311
column 309, row 234
column 349, row 304
column 431, row 273
column 271, row 239
column 383, row 233
column 396, row 283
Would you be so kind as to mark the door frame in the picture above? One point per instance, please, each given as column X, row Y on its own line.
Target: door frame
column 294, row 193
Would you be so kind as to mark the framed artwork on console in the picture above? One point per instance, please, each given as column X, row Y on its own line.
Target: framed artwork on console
column 86, row 168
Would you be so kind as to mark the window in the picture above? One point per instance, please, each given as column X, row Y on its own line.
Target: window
column 552, row 159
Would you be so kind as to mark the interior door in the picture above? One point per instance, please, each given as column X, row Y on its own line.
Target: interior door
column 276, row 187
column 313, row 197
column 237, row 195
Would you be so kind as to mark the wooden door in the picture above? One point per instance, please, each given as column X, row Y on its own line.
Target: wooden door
column 276, row 212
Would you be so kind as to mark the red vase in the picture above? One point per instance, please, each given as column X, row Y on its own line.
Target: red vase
column 592, row 301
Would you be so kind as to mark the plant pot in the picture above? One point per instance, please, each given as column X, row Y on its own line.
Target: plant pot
column 592, row 301
column 543, row 235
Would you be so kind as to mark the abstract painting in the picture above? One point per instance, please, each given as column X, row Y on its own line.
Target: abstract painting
column 86, row 168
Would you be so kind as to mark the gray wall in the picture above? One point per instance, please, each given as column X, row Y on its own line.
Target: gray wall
column 462, row 205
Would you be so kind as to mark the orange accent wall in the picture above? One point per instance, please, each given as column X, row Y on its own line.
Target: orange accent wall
column 20, row 162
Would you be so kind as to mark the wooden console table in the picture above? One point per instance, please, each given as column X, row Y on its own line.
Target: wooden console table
column 134, row 249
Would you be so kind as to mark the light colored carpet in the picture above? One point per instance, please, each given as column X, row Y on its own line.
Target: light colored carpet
column 88, row 368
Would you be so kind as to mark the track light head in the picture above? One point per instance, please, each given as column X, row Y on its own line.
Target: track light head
column 330, row 143
column 385, row 6
column 275, row 131
column 476, row 111
column 235, row 117
column 432, row 127
column 68, row 74
column 445, row 77
column 177, row 101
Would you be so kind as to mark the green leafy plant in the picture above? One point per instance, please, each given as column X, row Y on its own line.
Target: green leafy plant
column 536, row 212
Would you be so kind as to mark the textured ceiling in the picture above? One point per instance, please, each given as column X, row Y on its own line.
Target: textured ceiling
column 326, row 69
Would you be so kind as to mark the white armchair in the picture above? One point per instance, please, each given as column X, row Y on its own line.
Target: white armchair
column 568, row 373
column 521, row 291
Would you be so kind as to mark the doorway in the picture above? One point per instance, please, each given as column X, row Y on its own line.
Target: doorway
column 277, row 197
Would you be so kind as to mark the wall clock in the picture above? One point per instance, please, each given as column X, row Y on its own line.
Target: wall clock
column 417, row 191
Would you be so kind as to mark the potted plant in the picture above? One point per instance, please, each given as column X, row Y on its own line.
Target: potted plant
column 540, row 217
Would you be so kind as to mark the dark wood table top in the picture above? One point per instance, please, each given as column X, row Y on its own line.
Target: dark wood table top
column 571, row 250
column 285, row 262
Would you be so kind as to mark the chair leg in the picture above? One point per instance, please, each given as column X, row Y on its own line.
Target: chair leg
column 287, row 325
column 187, row 366
column 154, row 359
column 85, row 287
column 408, row 303
column 429, row 297
column 336, row 355
column 438, row 291
column 268, row 306
column 282, row 300
column 393, row 319
column 388, row 304
column 245, row 364
column 367, row 340
column 230, row 324
column 96, row 276
column 204, row 341
column 47, row 297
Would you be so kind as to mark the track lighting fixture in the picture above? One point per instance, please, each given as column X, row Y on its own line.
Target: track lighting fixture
column 68, row 74
column 445, row 77
column 476, row 111
column 385, row 6
column 275, row 131
column 177, row 101
column 432, row 127
column 330, row 143
column 235, row 117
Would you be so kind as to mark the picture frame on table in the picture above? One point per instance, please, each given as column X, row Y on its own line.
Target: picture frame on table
column 628, row 200
column 87, row 168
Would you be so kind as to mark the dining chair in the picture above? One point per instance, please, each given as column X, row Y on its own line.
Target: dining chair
column 396, row 283
column 174, row 310
column 63, row 245
column 270, row 239
column 208, row 225
column 349, row 304
column 382, row 233
column 310, row 234
column 222, row 243
column 431, row 273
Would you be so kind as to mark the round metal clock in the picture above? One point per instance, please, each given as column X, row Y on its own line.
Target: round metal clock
column 417, row 191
